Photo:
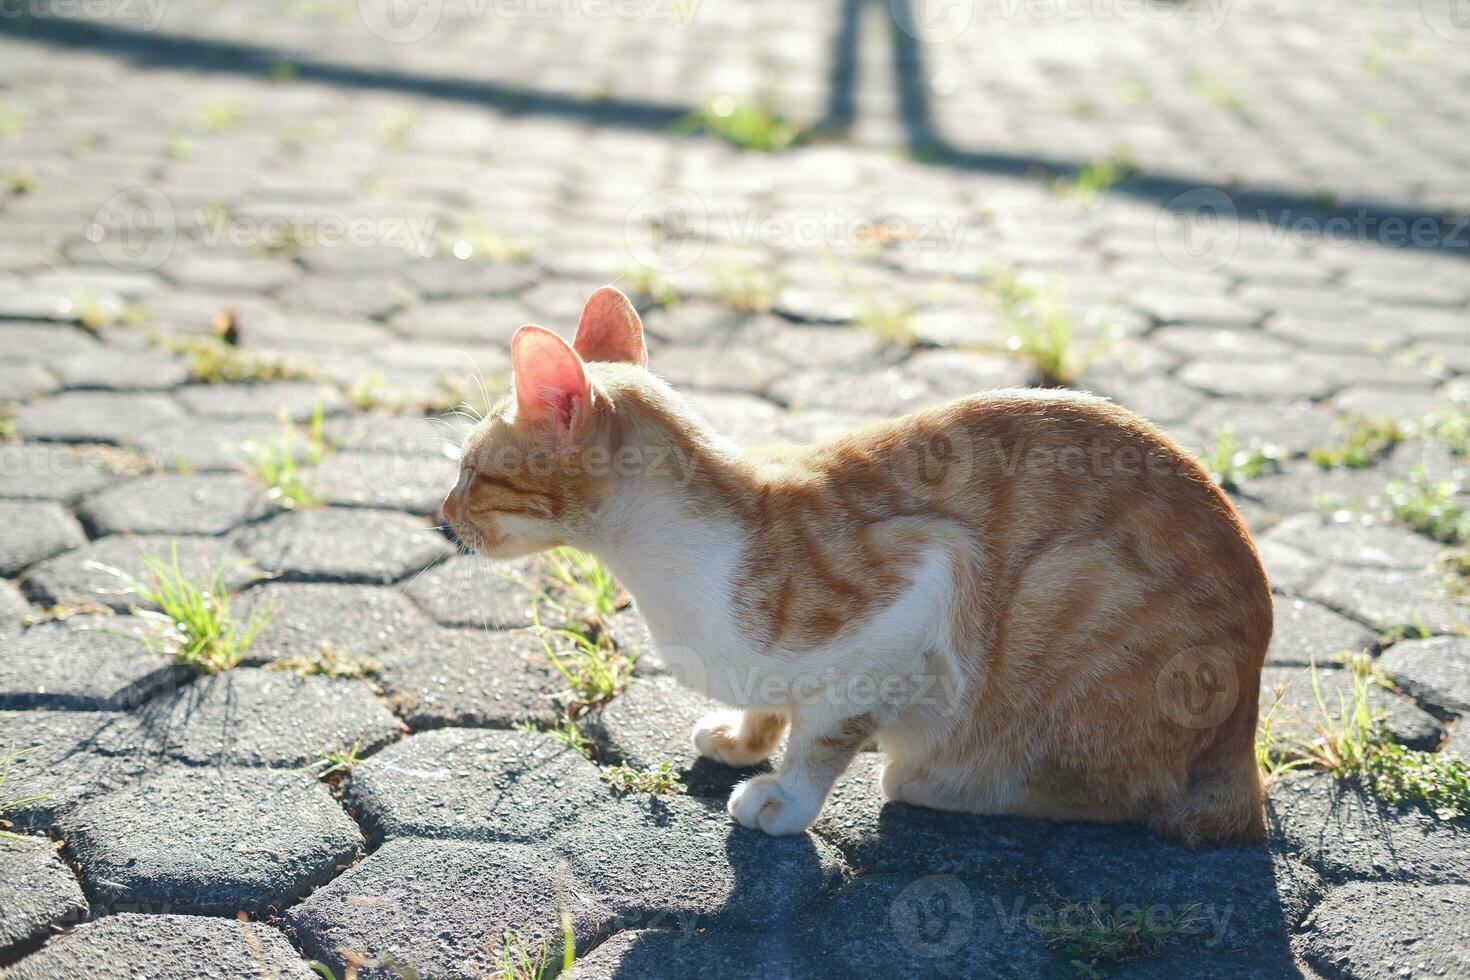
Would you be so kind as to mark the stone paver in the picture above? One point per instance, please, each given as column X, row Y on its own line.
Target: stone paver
column 41, row 893
column 467, row 677
column 442, row 908
column 296, row 400
column 248, row 717
column 415, row 484
column 310, row 620
column 382, row 211
column 88, row 416
column 175, row 504
column 38, row 471
column 167, row 947
column 473, row 784
column 1306, row 632
column 1364, row 930
column 337, row 544
column 60, row 759
column 34, row 531
column 470, row 591
column 86, row 663
column 1436, row 672
column 209, row 841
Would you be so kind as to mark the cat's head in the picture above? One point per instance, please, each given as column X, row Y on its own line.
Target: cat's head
column 536, row 469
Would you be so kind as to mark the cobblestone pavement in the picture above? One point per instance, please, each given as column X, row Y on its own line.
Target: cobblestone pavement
column 1238, row 218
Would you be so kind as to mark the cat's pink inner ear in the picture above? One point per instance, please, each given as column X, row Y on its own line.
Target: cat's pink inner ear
column 610, row 330
column 550, row 379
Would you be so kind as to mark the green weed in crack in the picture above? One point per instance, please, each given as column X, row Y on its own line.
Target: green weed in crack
column 750, row 126
column 334, row 762
column 659, row 779
column 1098, row 934
column 277, row 464
column 585, row 589
column 1228, row 462
column 330, row 662
column 1041, row 330
column 1430, row 507
column 193, row 618
column 1352, row 743
column 595, row 670
column 1367, row 441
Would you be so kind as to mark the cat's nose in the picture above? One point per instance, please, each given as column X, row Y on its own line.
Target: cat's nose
column 450, row 507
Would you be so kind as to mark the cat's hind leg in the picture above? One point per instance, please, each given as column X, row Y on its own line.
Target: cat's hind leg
column 739, row 738
column 788, row 800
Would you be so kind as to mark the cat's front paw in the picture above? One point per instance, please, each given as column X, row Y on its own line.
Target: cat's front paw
column 718, row 736
column 764, row 803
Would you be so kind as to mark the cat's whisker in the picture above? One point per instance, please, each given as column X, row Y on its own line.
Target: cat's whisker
column 479, row 377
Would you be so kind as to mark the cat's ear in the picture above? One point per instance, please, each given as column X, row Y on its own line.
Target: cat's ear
column 550, row 379
column 610, row 330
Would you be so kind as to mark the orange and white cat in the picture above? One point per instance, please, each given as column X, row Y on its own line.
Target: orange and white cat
column 1034, row 601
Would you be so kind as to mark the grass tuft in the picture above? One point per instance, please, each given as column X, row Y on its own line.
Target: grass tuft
column 214, row 362
column 333, row 763
column 1353, row 744
column 658, row 780
column 594, row 669
column 1430, row 507
column 196, row 626
column 582, row 588
column 1367, row 441
column 1042, row 331
column 894, row 324
column 1097, row 934
column 750, row 126
column 1228, row 462
column 475, row 240
column 276, row 464
column 1091, row 182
